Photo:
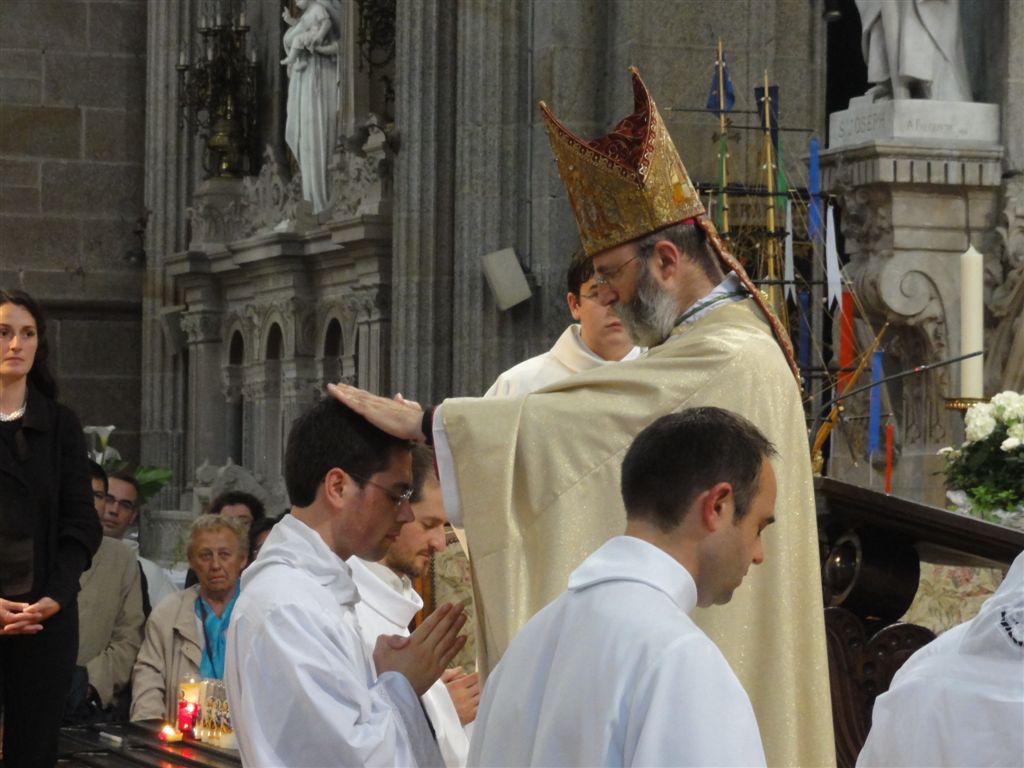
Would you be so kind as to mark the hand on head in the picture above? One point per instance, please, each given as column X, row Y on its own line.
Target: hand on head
column 426, row 653
column 396, row 416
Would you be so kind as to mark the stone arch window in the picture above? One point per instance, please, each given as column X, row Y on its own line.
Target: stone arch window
column 235, row 396
column 330, row 362
column 274, row 414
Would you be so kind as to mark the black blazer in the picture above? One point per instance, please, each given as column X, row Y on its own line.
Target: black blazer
column 51, row 449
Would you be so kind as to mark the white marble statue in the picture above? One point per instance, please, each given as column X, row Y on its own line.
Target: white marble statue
column 311, row 43
column 914, row 49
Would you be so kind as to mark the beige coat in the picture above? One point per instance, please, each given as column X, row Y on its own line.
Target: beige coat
column 171, row 651
column 110, row 619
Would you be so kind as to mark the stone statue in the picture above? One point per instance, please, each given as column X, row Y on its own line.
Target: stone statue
column 914, row 49
column 312, row 45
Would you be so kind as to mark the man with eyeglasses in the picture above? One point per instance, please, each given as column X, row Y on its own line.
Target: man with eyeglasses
column 303, row 687
column 534, row 479
column 121, row 508
column 596, row 338
column 110, row 621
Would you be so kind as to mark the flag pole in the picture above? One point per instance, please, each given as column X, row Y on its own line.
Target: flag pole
column 723, row 172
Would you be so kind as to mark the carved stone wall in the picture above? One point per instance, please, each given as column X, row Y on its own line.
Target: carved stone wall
column 907, row 213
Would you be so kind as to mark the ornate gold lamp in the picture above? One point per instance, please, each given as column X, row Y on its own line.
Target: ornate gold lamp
column 217, row 90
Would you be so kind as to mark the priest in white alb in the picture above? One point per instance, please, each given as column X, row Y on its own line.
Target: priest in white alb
column 534, row 479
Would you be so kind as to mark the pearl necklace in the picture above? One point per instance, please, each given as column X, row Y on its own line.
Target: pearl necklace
column 13, row 415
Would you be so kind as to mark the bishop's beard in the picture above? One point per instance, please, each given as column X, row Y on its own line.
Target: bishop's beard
column 650, row 315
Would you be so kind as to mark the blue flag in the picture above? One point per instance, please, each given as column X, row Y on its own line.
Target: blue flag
column 875, row 412
column 814, row 188
column 714, row 102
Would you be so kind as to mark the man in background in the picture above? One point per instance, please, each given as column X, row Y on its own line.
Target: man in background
column 120, row 511
column 595, row 339
column 388, row 603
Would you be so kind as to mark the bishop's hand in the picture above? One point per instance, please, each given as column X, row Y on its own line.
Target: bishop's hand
column 398, row 417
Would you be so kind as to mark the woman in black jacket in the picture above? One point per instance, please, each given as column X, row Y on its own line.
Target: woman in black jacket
column 49, row 531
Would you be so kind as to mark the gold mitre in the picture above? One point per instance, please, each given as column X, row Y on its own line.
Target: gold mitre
column 626, row 184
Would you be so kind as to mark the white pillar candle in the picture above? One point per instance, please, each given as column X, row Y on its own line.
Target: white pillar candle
column 972, row 323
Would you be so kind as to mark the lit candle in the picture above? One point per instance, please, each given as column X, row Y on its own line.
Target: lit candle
column 972, row 323
column 241, row 19
column 169, row 733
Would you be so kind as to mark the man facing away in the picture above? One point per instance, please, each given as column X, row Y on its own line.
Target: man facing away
column 300, row 682
column 614, row 672
column 388, row 603
column 595, row 339
column 534, row 479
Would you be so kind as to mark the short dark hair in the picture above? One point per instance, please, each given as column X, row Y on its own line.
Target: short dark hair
column 581, row 269
column 423, row 469
column 238, row 497
column 691, row 242
column 331, row 435
column 96, row 472
column 39, row 375
column 128, row 477
column 258, row 527
column 683, row 454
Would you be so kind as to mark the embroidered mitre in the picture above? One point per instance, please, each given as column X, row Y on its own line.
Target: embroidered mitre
column 626, row 184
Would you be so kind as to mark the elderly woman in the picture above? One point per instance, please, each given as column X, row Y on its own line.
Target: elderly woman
column 185, row 634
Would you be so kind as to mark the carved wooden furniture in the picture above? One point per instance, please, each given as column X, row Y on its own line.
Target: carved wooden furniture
column 872, row 546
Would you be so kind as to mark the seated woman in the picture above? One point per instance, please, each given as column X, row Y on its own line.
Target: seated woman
column 185, row 634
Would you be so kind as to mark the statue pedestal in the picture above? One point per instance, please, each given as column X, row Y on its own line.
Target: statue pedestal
column 915, row 120
column 908, row 210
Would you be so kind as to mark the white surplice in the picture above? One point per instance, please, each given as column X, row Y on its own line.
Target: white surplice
column 959, row 701
column 382, row 610
column 614, row 673
column 569, row 355
column 300, row 683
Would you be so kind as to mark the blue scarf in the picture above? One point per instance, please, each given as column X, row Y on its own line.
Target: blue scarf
column 214, row 633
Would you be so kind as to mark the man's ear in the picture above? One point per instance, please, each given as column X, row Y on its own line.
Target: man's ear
column 335, row 484
column 716, row 506
column 574, row 305
column 666, row 259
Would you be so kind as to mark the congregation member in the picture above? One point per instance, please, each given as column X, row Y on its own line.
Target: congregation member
column 699, row 490
column 388, row 603
column 300, row 683
column 258, row 535
column 239, row 505
column 960, row 699
column 48, row 536
column 110, row 622
column 186, row 633
column 244, row 507
column 122, row 510
column 534, row 479
column 596, row 338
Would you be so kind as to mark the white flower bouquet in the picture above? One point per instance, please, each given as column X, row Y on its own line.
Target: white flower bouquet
column 988, row 469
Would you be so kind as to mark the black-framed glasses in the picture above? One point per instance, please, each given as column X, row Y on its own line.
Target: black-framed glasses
column 125, row 505
column 398, row 499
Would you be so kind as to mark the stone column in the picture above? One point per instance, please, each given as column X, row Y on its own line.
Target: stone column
column 207, row 436
column 421, row 291
column 168, row 182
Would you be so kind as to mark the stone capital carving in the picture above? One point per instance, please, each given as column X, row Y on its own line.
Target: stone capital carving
column 361, row 182
column 201, row 327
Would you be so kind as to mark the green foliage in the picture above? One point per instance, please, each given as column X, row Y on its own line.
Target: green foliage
column 151, row 480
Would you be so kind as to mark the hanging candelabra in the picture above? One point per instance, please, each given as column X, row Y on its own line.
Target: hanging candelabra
column 217, row 90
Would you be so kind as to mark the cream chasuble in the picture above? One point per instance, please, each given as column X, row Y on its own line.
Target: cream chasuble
column 538, row 485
